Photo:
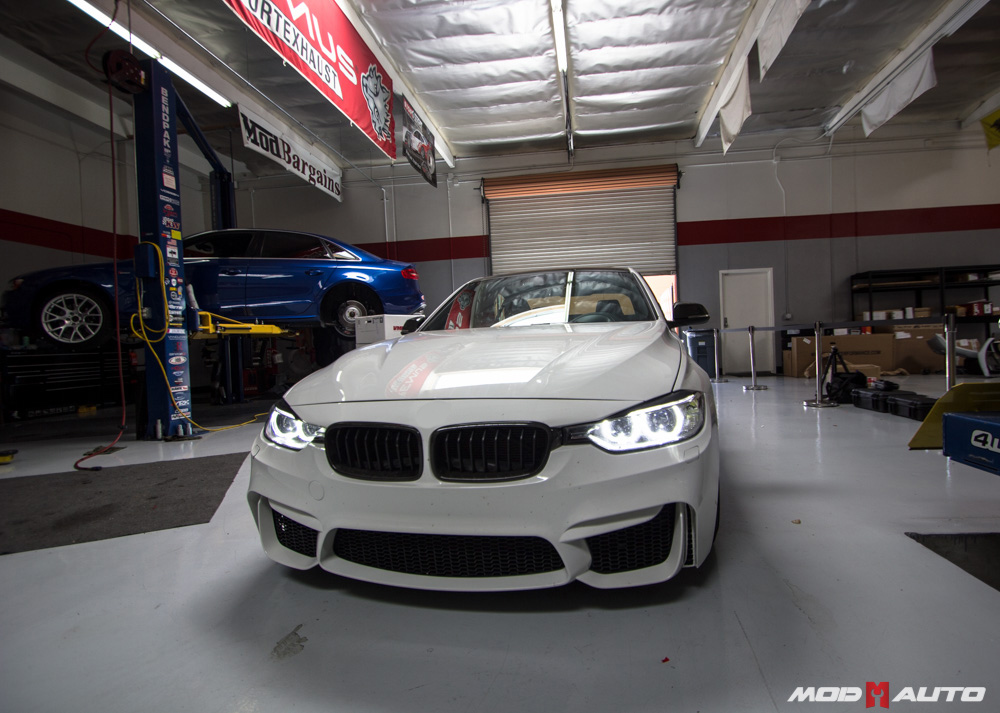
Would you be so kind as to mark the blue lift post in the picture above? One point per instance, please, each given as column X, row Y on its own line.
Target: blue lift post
column 159, row 264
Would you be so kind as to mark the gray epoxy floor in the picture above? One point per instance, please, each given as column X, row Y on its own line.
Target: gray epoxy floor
column 813, row 583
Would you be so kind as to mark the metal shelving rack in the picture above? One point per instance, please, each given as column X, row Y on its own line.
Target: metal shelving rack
column 931, row 284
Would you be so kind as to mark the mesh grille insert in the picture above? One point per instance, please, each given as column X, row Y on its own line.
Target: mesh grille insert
column 294, row 535
column 634, row 547
column 447, row 555
column 485, row 452
column 374, row 451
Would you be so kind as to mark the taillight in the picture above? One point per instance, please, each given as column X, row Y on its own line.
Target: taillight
column 409, row 273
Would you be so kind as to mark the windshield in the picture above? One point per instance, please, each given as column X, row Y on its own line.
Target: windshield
column 556, row 297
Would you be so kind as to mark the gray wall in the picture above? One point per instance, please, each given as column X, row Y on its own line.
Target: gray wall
column 57, row 166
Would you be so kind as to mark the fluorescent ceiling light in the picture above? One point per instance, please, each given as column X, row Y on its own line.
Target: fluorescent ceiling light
column 559, row 32
column 150, row 51
column 194, row 81
column 118, row 29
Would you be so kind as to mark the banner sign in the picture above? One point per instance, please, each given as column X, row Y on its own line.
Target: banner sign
column 319, row 41
column 262, row 137
column 418, row 144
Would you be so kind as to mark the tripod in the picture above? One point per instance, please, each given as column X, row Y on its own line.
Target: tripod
column 839, row 389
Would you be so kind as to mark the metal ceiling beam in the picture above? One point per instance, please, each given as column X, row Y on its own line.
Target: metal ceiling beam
column 441, row 143
column 731, row 73
column 40, row 78
column 17, row 74
column 988, row 106
column 949, row 19
column 217, row 75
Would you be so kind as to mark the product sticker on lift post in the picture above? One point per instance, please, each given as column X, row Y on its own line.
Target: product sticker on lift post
column 177, row 343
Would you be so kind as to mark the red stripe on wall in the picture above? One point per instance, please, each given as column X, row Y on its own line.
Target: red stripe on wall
column 461, row 248
column 840, row 225
column 56, row 235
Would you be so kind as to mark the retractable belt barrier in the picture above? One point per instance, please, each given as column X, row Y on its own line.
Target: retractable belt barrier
column 948, row 327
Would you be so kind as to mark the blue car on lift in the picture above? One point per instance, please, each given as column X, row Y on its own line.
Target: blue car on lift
column 281, row 277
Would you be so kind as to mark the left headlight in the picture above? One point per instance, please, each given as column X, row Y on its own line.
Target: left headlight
column 652, row 426
column 286, row 429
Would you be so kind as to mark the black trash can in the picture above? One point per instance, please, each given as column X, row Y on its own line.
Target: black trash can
column 701, row 348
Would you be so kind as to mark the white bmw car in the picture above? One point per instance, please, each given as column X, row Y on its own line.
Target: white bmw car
column 535, row 429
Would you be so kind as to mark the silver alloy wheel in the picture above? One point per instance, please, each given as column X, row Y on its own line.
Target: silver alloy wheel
column 72, row 318
column 348, row 313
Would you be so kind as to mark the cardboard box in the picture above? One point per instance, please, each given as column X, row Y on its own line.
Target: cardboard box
column 978, row 308
column 880, row 315
column 871, row 371
column 379, row 327
column 912, row 351
column 802, row 355
column 973, row 439
column 874, row 349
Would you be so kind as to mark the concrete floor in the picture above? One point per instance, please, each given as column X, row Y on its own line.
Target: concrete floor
column 813, row 583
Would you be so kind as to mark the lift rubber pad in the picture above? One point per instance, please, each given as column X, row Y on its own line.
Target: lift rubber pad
column 43, row 511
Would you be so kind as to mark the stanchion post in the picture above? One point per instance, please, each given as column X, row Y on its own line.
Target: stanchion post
column 753, row 366
column 718, row 369
column 950, row 369
column 819, row 401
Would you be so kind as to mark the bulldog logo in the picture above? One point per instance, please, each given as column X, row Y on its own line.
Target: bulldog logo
column 378, row 97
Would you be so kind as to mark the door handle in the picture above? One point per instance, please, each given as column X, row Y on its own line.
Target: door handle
column 725, row 322
column 313, row 273
column 232, row 271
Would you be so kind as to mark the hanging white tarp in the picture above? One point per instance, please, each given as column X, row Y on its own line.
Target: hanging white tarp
column 736, row 109
column 907, row 86
column 780, row 24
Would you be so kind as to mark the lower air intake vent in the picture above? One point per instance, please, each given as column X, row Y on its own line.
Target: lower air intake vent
column 294, row 535
column 490, row 452
column 634, row 547
column 447, row 555
column 374, row 451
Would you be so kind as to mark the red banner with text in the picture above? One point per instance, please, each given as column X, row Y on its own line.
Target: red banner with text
column 317, row 38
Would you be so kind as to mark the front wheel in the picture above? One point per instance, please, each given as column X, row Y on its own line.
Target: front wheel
column 75, row 317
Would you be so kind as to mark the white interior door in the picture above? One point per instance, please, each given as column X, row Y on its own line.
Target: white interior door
column 747, row 298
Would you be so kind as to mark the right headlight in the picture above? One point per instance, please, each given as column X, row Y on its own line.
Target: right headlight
column 652, row 426
column 286, row 429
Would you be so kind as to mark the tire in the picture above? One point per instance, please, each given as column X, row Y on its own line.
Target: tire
column 346, row 305
column 718, row 512
column 75, row 317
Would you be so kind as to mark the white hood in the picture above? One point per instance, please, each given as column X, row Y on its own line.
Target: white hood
column 623, row 362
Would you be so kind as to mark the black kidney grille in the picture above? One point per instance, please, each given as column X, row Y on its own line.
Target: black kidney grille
column 447, row 555
column 635, row 547
column 487, row 452
column 374, row 451
column 294, row 535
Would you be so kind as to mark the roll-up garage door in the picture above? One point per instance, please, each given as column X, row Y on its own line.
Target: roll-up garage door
column 622, row 218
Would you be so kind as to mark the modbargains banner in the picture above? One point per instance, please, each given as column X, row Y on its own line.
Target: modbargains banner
column 317, row 38
column 262, row 137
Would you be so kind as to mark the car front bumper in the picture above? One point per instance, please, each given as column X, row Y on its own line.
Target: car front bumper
column 582, row 494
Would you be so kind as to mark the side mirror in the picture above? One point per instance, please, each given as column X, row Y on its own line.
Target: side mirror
column 412, row 323
column 687, row 313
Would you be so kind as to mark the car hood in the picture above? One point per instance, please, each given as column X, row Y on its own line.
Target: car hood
column 624, row 362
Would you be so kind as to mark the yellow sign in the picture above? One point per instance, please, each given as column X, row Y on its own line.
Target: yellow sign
column 991, row 126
